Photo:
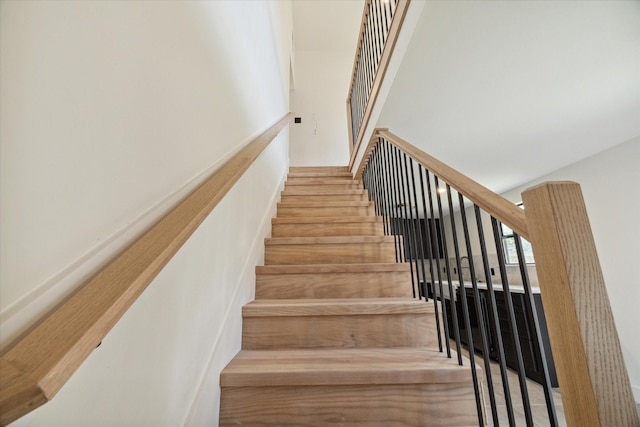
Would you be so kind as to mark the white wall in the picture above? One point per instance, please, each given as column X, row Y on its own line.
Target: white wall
column 506, row 82
column 322, row 83
column 109, row 113
column 609, row 182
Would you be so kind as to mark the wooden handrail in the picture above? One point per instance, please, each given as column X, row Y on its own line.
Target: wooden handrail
column 389, row 46
column 496, row 205
column 37, row 366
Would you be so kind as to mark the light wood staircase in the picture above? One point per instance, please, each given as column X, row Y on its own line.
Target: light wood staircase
column 334, row 336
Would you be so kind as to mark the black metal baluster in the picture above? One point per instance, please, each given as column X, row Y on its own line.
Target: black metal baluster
column 392, row 204
column 496, row 320
column 371, row 48
column 522, row 377
column 438, row 290
column 452, row 293
column 366, row 60
column 443, row 300
column 531, row 307
column 374, row 172
column 420, row 233
column 465, row 309
column 480, row 318
column 405, row 221
column 379, row 177
column 427, row 237
column 387, row 193
column 388, row 14
column 413, row 238
column 379, row 33
column 383, row 190
column 396, row 206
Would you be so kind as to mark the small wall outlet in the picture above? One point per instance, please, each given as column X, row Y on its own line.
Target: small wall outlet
column 297, row 120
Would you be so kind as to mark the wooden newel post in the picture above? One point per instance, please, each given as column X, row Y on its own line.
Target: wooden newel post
column 593, row 379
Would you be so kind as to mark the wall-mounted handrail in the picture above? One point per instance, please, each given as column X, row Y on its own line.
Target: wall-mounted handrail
column 496, row 205
column 379, row 31
column 479, row 308
column 34, row 369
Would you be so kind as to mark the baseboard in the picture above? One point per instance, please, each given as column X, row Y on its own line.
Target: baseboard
column 248, row 270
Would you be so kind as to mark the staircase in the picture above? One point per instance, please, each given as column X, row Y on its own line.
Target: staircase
column 334, row 336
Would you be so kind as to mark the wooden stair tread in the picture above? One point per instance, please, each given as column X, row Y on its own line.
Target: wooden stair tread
column 324, row 219
column 295, row 169
column 332, row 268
column 338, row 204
column 321, row 192
column 366, row 366
column 331, row 240
column 302, row 175
column 320, row 181
column 335, row 307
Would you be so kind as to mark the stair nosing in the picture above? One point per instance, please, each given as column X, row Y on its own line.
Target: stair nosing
column 335, row 307
column 371, row 366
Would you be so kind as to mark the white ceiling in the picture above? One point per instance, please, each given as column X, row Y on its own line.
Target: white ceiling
column 508, row 91
column 327, row 24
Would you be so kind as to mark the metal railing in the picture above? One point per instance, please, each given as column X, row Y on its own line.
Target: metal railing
column 436, row 226
column 381, row 21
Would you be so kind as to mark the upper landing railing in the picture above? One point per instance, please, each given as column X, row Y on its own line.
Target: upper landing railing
column 34, row 369
column 445, row 219
column 381, row 23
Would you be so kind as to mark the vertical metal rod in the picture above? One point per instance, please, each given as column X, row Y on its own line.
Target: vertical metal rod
column 531, row 307
column 372, row 48
column 382, row 190
column 420, row 232
column 438, row 290
column 452, row 292
column 386, row 21
column 368, row 57
column 380, row 32
column 387, row 192
column 376, row 33
column 379, row 179
column 396, row 206
column 515, row 337
column 465, row 310
column 427, row 236
column 480, row 318
column 413, row 238
column 405, row 221
column 392, row 203
column 493, row 308
column 374, row 179
column 447, row 269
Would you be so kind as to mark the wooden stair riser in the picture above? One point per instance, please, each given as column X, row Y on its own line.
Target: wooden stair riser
column 339, row 331
column 334, row 285
column 434, row 405
column 356, row 228
column 338, row 253
column 354, row 196
column 299, row 210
